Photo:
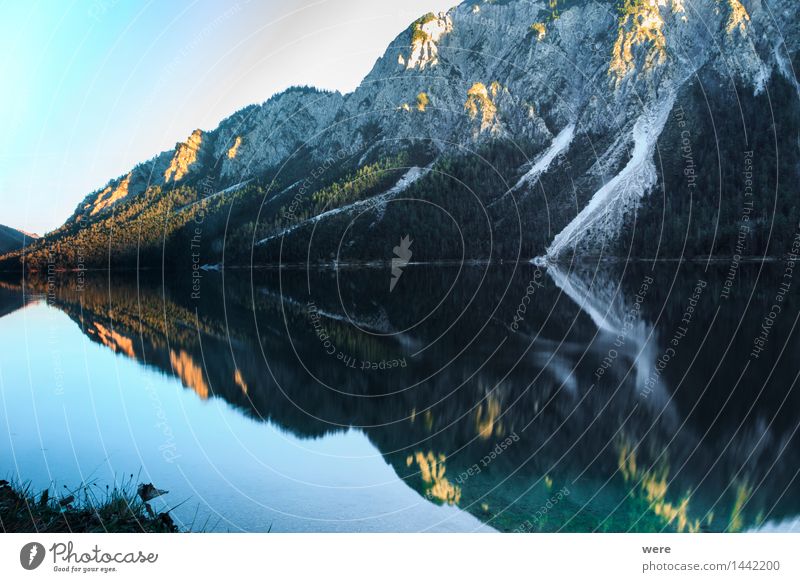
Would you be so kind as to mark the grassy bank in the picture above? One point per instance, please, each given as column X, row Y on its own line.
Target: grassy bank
column 89, row 508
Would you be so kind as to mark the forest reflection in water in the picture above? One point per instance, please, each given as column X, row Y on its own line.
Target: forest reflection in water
column 599, row 397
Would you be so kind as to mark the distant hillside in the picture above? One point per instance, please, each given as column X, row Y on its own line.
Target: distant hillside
column 12, row 239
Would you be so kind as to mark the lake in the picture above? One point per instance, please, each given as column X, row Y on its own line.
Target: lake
column 597, row 396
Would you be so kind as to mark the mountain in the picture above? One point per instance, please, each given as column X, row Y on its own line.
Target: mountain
column 12, row 239
column 505, row 129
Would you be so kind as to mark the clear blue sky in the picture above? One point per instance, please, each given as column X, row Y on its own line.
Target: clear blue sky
column 92, row 87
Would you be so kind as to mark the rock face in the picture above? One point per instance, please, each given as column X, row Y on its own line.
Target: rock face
column 608, row 73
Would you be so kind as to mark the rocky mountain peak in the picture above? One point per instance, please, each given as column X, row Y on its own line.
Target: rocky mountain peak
column 586, row 87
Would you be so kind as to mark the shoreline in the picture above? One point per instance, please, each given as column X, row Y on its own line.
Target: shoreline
column 86, row 509
column 385, row 264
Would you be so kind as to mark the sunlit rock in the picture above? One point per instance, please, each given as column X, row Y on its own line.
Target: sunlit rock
column 185, row 156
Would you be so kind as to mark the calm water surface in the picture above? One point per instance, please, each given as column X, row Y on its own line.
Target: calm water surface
column 599, row 397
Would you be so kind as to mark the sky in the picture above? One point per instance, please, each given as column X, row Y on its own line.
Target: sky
column 93, row 87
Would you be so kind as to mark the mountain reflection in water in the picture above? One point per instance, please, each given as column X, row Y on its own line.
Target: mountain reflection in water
column 601, row 397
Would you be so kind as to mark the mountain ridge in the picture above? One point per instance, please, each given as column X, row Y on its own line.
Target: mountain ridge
column 506, row 76
column 12, row 239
